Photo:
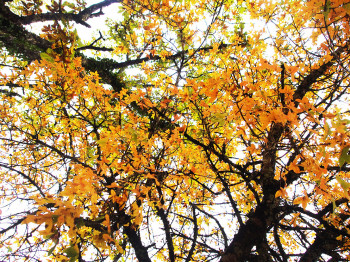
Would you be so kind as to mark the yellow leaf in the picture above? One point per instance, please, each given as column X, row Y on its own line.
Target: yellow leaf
column 345, row 185
column 304, row 200
column 30, row 219
column 281, row 193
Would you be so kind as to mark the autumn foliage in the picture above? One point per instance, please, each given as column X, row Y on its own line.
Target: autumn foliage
column 212, row 130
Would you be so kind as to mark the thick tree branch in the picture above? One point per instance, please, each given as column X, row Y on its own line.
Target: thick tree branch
column 19, row 41
column 279, row 244
column 195, row 234
column 89, row 11
column 314, row 74
column 167, row 226
column 132, row 62
column 254, row 231
column 79, row 18
column 15, row 224
column 135, row 240
column 324, row 243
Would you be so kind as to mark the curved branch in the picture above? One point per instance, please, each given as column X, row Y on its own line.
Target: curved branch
column 79, row 18
column 312, row 77
column 89, row 11
column 31, row 181
column 324, row 243
column 195, row 234
column 17, row 223
column 167, row 227
column 18, row 40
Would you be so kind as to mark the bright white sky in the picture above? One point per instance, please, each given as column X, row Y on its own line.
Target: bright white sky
column 98, row 24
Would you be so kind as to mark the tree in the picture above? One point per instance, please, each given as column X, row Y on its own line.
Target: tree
column 185, row 132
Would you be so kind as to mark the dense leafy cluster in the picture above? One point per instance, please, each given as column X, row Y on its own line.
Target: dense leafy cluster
column 212, row 130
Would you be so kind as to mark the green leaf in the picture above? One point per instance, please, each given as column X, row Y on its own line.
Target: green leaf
column 71, row 252
column 72, row 259
column 134, row 136
column 327, row 9
column 220, row 118
column 347, row 8
column 327, row 130
column 55, row 218
column 47, row 57
column 49, row 236
column 345, row 185
column 334, row 205
column 103, row 141
column 70, row 5
column 344, row 156
column 49, row 253
column 79, row 222
column 100, row 218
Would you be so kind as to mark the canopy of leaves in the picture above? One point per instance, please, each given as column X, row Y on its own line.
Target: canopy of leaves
column 211, row 130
